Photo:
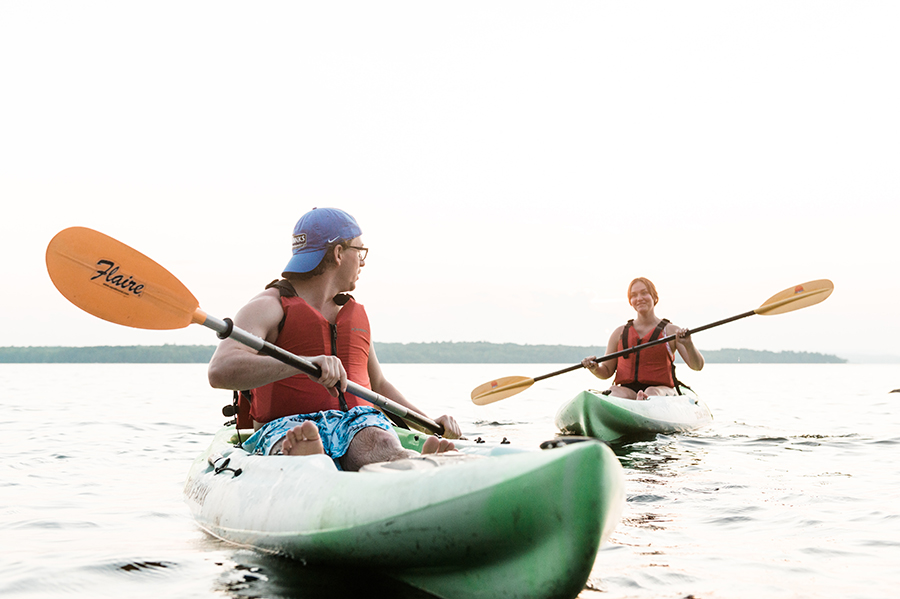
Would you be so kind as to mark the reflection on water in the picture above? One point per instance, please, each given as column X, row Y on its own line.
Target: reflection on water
column 252, row 575
column 664, row 456
column 653, row 470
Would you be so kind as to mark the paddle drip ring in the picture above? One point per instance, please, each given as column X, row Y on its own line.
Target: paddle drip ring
column 228, row 330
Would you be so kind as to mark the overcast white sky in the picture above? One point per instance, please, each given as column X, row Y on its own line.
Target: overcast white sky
column 513, row 165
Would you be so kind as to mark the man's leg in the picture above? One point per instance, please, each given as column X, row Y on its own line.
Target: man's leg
column 373, row 444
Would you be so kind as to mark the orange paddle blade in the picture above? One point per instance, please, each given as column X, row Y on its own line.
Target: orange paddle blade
column 794, row 298
column 112, row 281
column 500, row 389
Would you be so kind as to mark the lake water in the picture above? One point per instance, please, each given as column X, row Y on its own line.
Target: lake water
column 792, row 492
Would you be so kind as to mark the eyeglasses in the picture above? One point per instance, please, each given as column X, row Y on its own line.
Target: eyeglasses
column 363, row 252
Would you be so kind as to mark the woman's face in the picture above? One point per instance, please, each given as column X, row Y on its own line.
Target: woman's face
column 639, row 297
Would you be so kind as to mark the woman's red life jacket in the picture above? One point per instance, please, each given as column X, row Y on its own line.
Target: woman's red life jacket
column 306, row 332
column 652, row 366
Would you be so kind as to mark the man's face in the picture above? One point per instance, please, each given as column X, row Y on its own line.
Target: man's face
column 352, row 262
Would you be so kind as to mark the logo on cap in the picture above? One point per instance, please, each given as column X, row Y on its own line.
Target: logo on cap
column 299, row 241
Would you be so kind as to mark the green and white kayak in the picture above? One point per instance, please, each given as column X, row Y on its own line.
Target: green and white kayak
column 492, row 522
column 615, row 419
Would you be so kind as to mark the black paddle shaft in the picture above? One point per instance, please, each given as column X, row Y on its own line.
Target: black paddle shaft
column 637, row 348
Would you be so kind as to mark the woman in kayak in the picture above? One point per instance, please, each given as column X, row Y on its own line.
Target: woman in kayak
column 310, row 313
column 650, row 371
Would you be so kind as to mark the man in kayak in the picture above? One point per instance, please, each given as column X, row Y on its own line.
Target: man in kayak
column 309, row 313
column 650, row 371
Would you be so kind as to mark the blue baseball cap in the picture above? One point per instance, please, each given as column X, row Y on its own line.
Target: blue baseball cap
column 314, row 232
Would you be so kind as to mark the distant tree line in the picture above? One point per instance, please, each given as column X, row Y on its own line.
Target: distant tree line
column 108, row 354
column 478, row 352
column 752, row 356
column 511, row 353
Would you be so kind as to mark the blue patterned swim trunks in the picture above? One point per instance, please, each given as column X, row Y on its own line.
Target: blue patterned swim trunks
column 336, row 428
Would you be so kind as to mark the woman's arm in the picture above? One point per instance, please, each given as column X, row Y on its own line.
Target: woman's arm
column 605, row 369
column 686, row 348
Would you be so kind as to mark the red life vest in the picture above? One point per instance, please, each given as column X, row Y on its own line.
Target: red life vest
column 306, row 332
column 652, row 366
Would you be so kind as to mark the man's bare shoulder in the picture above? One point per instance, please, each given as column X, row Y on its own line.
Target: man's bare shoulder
column 262, row 314
column 270, row 295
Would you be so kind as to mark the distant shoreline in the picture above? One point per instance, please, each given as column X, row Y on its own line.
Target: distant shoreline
column 389, row 353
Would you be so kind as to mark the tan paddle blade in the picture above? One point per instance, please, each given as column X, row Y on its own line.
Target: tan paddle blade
column 801, row 296
column 500, row 389
column 112, row 281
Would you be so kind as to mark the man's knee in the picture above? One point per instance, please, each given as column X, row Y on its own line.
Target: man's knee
column 371, row 444
column 373, row 437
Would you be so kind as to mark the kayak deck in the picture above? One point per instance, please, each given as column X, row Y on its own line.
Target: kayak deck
column 614, row 419
column 517, row 524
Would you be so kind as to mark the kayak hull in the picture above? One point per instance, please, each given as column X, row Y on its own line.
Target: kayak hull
column 518, row 524
column 616, row 419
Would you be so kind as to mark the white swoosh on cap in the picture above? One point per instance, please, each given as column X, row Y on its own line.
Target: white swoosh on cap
column 333, row 240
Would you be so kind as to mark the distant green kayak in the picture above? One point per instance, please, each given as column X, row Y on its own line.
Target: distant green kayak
column 490, row 522
column 613, row 419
